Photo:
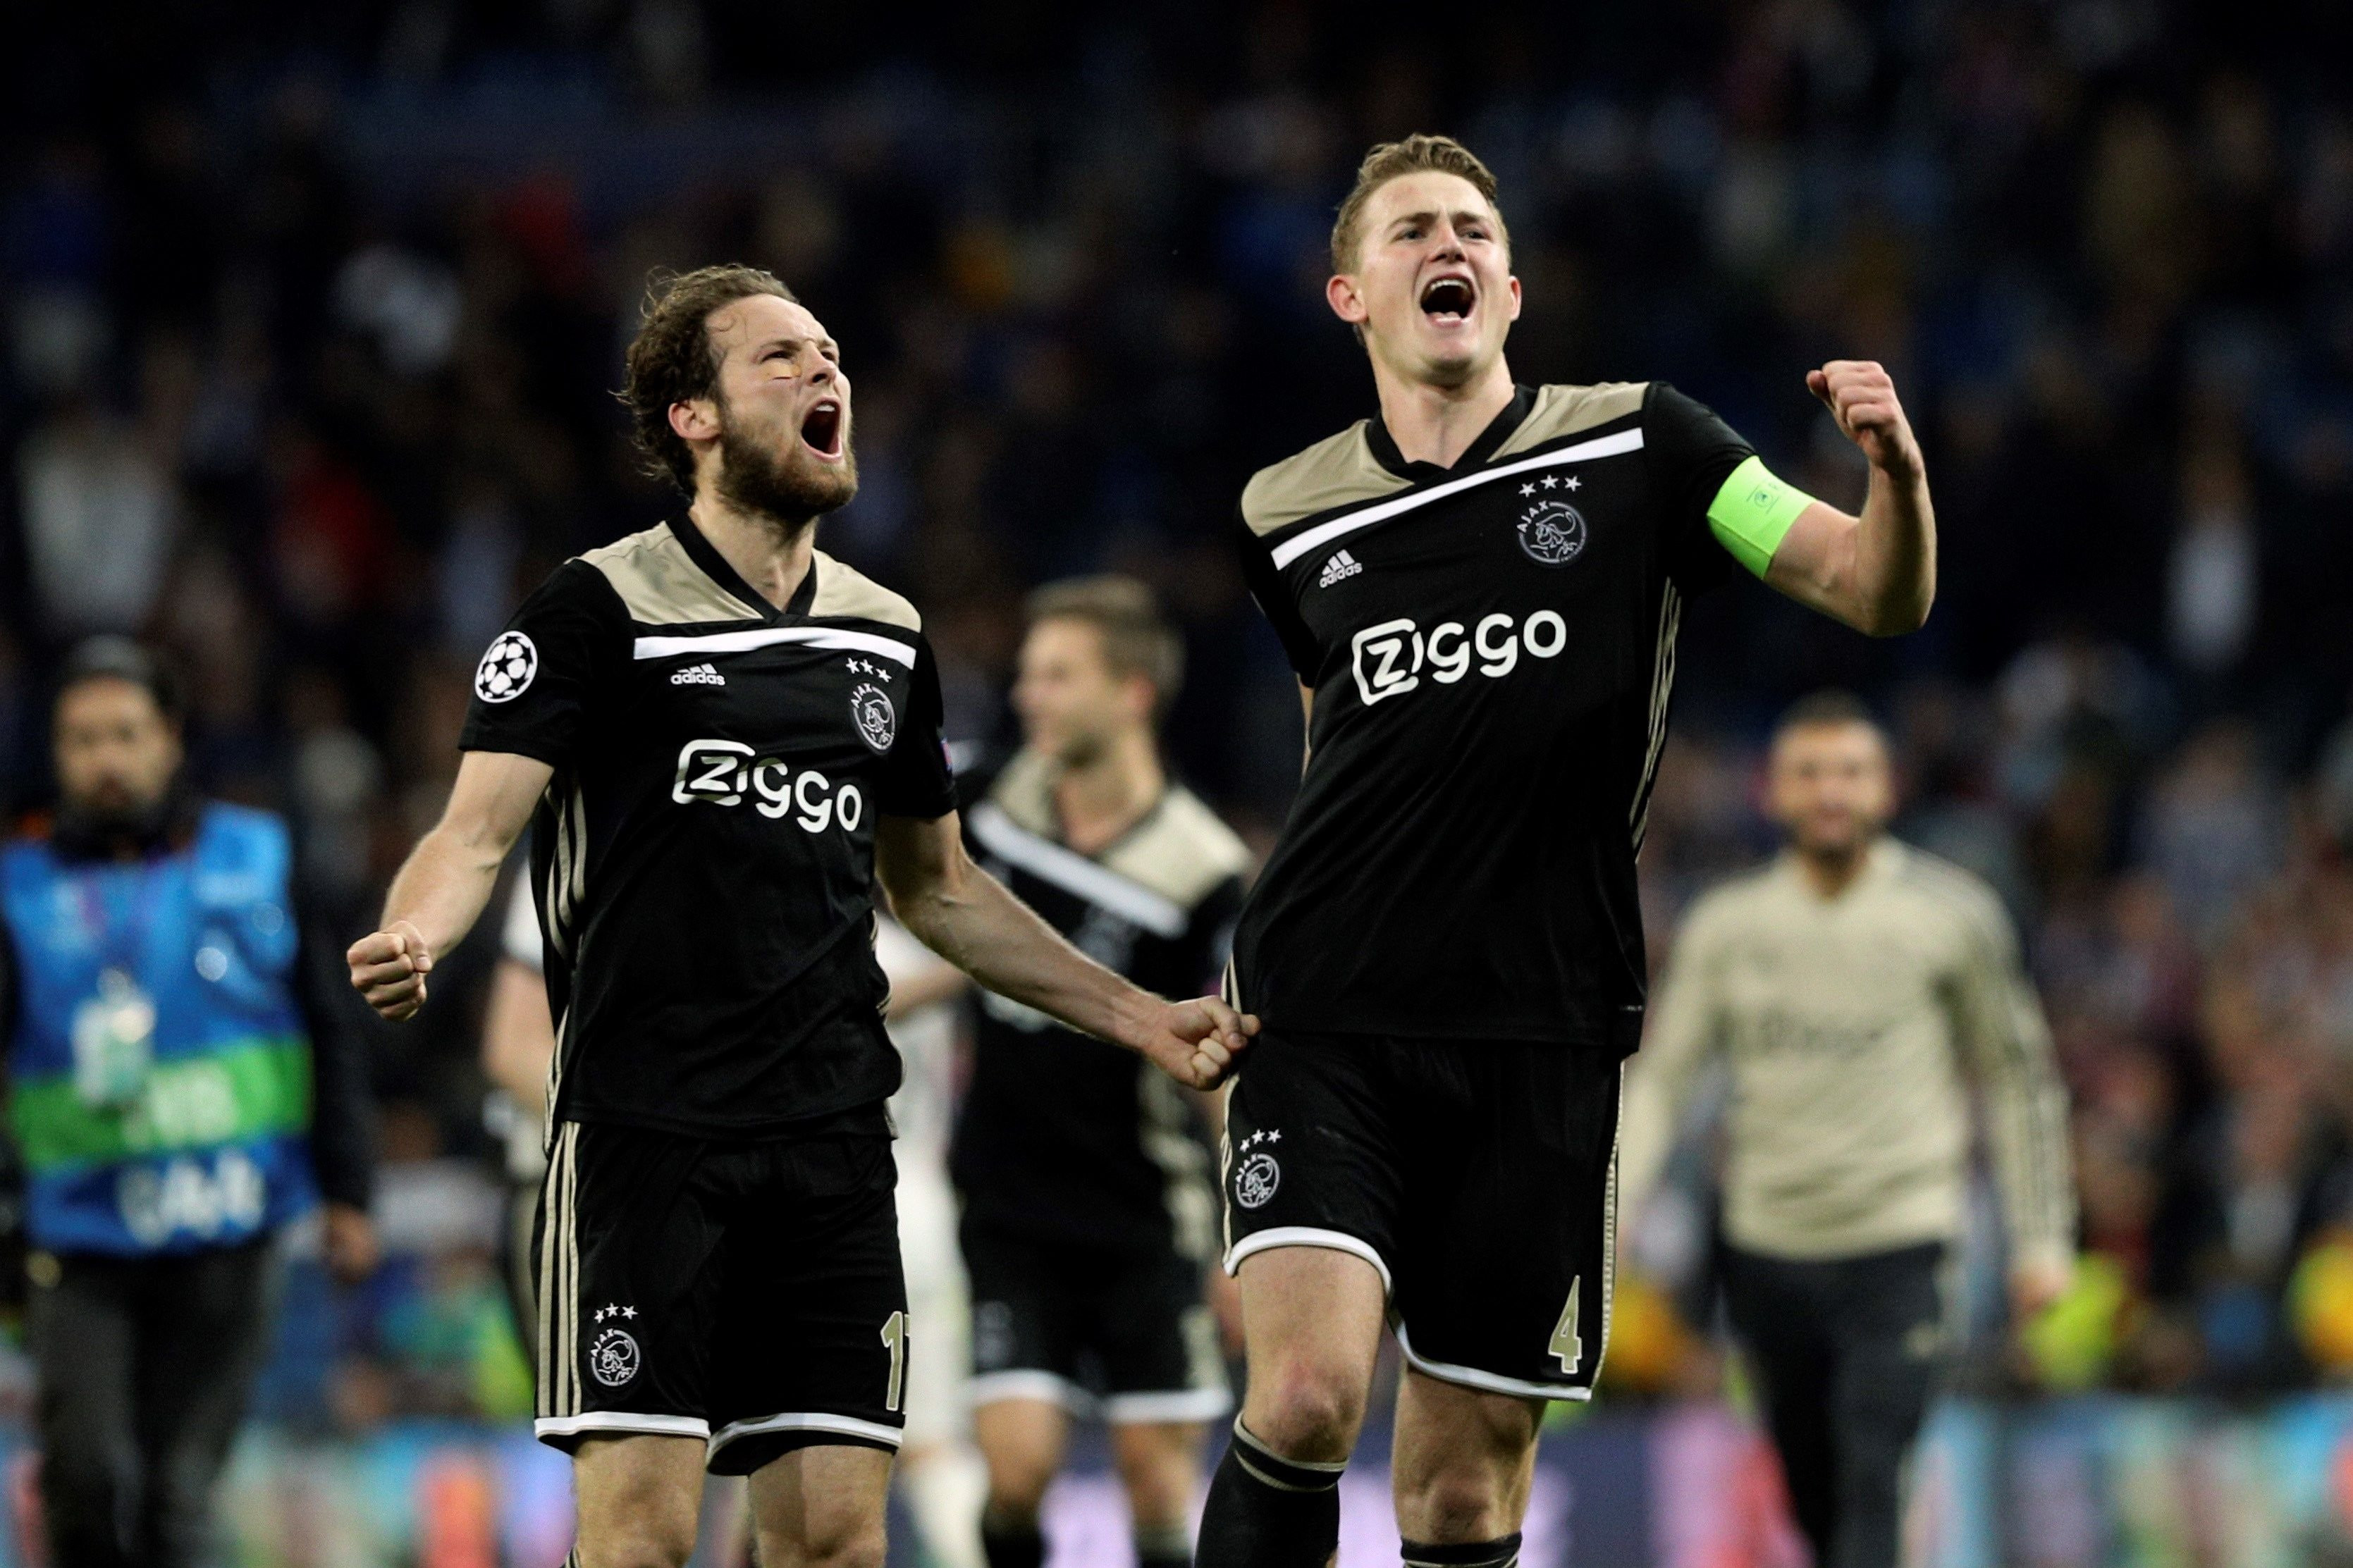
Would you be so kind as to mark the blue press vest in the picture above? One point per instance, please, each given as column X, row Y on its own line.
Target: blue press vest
column 213, row 1148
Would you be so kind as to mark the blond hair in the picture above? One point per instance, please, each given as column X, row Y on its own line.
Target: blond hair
column 1392, row 160
column 1136, row 639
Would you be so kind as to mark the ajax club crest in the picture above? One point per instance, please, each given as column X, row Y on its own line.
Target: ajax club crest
column 1552, row 532
column 877, row 721
column 1258, row 1173
column 613, row 1355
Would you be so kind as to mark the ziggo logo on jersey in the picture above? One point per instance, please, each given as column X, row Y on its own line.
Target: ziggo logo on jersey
column 720, row 773
column 1387, row 659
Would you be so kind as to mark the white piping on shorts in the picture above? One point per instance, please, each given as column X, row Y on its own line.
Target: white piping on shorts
column 1138, row 1407
column 620, row 1421
column 1308, row 1235
column 1029, row 1383
column 1486, row 1382
column 1176, row 1405
column 847, row 1425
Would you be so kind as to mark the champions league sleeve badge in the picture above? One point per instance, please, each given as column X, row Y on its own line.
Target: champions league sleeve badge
column 506, row 668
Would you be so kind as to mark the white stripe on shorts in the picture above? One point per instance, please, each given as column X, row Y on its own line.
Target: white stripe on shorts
column 620, row 1421
column 847, row 1425
column 1308, row 1235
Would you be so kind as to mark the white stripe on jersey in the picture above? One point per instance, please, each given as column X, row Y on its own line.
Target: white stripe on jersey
column 1291, row 550
column 744, row 642
column 1074, row 873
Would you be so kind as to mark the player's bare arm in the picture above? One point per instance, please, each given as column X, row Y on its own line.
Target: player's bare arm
column 447, row 879
column 1877, row 572
column 964, row 915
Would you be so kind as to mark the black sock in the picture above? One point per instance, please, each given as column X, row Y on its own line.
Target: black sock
column 1267, row 1511
column 1163, row 1546
column 1009, row 1543
column 1502, row 1553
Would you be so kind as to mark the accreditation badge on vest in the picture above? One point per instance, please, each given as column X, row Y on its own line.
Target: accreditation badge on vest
column 113, row 1043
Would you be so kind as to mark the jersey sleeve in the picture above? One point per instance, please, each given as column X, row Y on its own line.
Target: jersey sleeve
column 540, row 676
column 915, row 779
column 1691, row 455
column 1266, row 585
column 2001, row 1023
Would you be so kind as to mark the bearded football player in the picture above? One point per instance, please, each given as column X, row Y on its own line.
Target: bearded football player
column 723, row 739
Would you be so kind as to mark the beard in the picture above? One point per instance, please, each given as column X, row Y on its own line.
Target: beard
column 789, row 487
column 110, row 820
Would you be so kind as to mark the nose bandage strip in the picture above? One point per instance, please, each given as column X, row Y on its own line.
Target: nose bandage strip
column 1752, row 513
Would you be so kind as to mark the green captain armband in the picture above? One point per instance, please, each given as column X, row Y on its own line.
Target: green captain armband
column 1752, row 513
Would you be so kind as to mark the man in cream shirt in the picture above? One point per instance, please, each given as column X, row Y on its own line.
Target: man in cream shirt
column 1860, row 991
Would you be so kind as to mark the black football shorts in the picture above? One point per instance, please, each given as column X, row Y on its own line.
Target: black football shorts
column 746, row 1293
column 1126, row 1335
column 1479, row 1177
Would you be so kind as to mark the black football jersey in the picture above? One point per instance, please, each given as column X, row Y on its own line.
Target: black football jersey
column 1062, row 1137
column 1492, row 649
column 703, row 860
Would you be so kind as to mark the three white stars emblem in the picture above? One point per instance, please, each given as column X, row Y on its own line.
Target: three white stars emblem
column 614, row 1311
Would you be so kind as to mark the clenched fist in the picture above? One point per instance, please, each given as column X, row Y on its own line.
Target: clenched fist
column 389, row 967
column 1861, row 398
column 1194, row 1042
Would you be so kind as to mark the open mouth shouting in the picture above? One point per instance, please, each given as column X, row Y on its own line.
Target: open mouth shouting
column 821, row 428
column 1449, row 298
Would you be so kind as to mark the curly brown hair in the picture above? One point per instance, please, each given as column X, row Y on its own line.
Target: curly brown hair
column 1389, row 161
column 672, row 359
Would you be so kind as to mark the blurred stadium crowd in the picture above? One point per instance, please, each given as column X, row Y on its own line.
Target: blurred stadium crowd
column 311, row 316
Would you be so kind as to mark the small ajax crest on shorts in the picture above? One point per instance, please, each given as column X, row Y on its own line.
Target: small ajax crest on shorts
column 1552, row 532
column 1258, row 1173
column 506, row 668
column 613, row 1357
column 877, row 721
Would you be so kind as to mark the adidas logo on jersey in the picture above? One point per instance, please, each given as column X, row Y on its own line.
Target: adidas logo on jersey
column 1341, row 566
column 698, row 675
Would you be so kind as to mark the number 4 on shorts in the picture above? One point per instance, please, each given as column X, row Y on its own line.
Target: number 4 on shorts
column 1566, row 1344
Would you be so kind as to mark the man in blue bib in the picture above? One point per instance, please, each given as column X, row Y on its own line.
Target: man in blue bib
column 176, row 1095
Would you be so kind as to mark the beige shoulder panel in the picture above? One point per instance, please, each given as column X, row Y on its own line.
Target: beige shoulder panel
column 1183, row 853
column 660, row 583
column 1953, row 888
column 846, row 591
column 1333, row 472
column 1025, row 791
column 1564, row 410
